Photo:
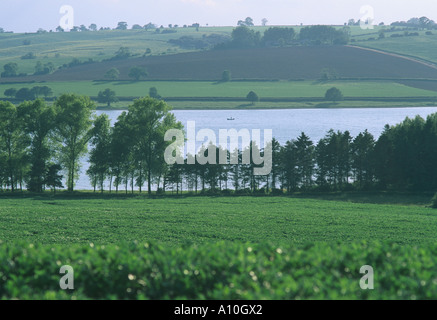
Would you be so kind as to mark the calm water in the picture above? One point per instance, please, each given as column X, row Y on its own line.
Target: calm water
column 288, row 124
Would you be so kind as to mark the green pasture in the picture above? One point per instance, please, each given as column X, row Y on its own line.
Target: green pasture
column 280, row 89
column 175, row 221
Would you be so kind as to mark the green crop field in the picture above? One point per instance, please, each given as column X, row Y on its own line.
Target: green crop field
column 219, row 271
column 197, row 220
column 217, row 248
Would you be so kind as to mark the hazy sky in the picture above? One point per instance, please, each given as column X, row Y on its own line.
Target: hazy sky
column 29, row 15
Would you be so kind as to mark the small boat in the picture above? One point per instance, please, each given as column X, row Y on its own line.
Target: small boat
column 231, row 119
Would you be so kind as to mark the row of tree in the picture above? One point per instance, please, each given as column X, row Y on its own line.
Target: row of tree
column 245, row 37
column 38, row 141
column 403, row 158
column 29, row 93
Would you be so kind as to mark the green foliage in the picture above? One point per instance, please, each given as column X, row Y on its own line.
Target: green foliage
column 52, row 178
column 221, row 271
column 148, row 121
column 25, row 94
column 252, row 97
column 137, row 73
column 10, row 70
column 226, row 76
column 122, row 53
column 279, row 36
column 41, row 69
column 100, row 160
column 29, row 93
column 112, row 74
column 12, row 144
column 73, row 123
column 107, row 96
column 244, row 37
column 334, row 95
column 248, row 22
column 38, row 124
column 122, row 26
column 323, row 35
column 11, row 92
column 153, row 93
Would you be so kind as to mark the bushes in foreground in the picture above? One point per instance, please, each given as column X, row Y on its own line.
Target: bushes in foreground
column 219, row 271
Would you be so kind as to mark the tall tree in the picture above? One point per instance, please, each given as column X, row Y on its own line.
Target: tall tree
column 12, row 143
column 10, row 70
column 137, row 73
column 39, row 122
column 112, row 74
column 334, row 95
column 252, row 97
column 73, row 122
column 100, row 153
column 53, row 178
column 304, row 149
column 362, row 150
column 150, row 119
column 107, row 96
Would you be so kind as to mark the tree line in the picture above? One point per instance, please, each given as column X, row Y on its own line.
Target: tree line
column 245, row 37
column 39, row 143
column 403, row 158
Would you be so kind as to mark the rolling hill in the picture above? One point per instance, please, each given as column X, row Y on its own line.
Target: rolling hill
column 292, row 63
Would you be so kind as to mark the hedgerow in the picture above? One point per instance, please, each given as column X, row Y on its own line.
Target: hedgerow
column 218, row 271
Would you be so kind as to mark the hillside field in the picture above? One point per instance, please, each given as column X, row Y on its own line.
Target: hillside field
column 291, row 63
column 232, row 95
column 61, row 48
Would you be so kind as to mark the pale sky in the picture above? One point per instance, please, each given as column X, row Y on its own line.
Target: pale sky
column 29, row 15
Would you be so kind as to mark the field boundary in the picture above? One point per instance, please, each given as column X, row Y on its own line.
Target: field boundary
column 398, row 55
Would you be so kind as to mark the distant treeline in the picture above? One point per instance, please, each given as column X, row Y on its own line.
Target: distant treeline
column 39, row 141
column 245, row 37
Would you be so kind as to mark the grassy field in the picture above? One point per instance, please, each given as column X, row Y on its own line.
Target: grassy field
column 422, row 47
column 61, row 48
column 197, row 220
column 236, row 92
column 280, row 89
